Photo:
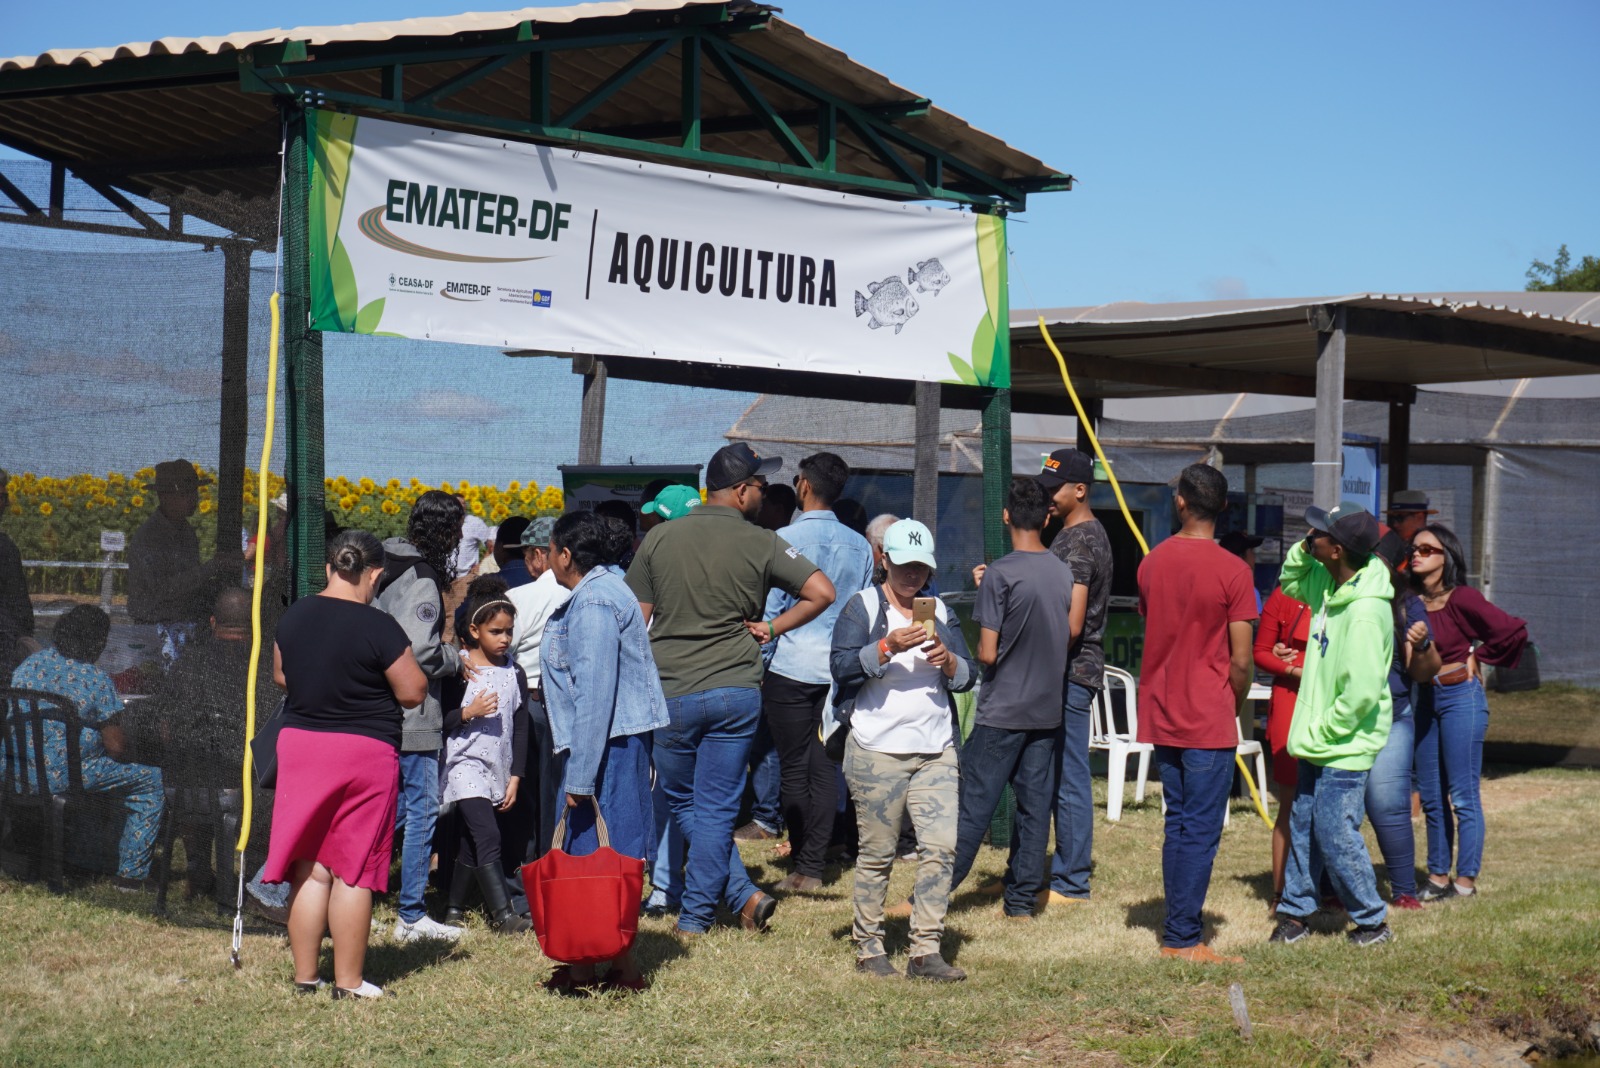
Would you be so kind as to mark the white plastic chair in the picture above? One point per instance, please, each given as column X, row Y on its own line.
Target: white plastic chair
column 1253, row 748
column 1119, row 746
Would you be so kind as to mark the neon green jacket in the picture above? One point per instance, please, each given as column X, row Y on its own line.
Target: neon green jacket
column 1341, row 718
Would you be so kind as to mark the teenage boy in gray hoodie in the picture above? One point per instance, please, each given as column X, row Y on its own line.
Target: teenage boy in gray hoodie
column 417, row 570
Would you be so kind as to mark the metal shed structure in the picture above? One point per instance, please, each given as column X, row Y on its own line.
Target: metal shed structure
column 196, row 125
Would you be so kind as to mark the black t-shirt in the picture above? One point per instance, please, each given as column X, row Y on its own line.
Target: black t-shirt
column 334, row 656
column 1087, row 550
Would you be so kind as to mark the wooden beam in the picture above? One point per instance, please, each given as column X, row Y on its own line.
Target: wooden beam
column 1327, row 465
column 1438, row 328
column 925, row 466
column 1397, row 453
column 1200, row 379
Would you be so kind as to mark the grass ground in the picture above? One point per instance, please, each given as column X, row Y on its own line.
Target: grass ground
column 93, row 978
column 1556, row 714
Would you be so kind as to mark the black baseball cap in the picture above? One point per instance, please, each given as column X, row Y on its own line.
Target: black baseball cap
column 1066, row 466
column 509, row 534
column 1238, row 542
column 1349, row 524
column 734, row 463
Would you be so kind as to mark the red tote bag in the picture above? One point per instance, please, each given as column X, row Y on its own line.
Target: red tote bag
column 585, row 910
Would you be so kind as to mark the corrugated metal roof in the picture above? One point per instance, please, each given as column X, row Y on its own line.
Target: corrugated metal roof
column 1408, row 339
column 442, row 26
column 199, row 142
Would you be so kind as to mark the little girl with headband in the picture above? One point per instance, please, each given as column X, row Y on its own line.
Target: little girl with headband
column 486, row 731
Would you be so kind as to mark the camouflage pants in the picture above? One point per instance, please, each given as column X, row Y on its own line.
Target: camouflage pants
column 885, row 787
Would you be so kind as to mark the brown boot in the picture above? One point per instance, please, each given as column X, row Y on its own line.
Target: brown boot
column 757, row 912
column 1200, row 953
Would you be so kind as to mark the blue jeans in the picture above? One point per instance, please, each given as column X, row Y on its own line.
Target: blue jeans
column 702, row 757
column 1195, row 784
column 1389, row 803
column 415, row 816
column 1069, row 869
column 991, row 757
column 1451, row 721
column 666, row 867
column 1325, row 836
column 766, row 781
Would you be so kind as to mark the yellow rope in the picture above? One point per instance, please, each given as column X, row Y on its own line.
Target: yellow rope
column 1116, row 488
column 260, row 574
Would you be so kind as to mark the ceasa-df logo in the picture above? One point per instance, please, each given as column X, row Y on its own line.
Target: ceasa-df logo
column 542, row 298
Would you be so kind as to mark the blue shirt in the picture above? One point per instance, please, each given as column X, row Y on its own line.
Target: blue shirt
column 846, row 558
column 1399, row 681
column 87, row 687
column 600, row 679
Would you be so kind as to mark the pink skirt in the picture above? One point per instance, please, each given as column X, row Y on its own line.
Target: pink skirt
column 335, row 805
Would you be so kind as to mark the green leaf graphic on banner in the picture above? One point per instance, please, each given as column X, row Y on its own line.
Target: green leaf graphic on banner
column 964, row 373
column 367, row 318
column 983, row 350
column 333, row 291
column 344, row 286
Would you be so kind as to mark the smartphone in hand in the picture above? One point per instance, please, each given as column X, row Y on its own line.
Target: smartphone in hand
column 923, row 612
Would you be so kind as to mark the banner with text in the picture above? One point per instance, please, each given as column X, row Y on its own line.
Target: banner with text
column 428, row 234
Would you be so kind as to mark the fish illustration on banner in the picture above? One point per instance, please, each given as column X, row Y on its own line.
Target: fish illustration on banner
column 929, row 276
column 889, row 302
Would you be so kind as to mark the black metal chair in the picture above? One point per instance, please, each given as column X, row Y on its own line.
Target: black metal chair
column 220, row 808
column 26, row 796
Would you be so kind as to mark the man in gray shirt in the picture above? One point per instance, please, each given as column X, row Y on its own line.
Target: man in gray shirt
column 1024, row 600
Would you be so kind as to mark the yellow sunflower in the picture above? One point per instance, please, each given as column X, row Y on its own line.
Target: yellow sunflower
column 45, row 508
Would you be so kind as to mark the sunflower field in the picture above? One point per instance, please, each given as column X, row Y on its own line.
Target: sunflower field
column 61, row 519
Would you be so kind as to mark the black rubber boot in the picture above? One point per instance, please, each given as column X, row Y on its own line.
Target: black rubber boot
column 455, row 915
column 497, row 903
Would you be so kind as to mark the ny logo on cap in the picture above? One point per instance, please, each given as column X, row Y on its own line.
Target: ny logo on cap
column 915, row 538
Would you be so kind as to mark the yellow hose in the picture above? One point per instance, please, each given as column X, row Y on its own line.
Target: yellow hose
column 260, row 575
column 1144, row 546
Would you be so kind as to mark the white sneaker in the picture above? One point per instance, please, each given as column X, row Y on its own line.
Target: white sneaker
column 425, row 929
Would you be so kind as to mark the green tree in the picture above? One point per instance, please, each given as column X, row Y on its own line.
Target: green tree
column 1562, row 277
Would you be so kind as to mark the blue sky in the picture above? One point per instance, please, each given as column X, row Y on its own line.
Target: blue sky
column 1223, row 150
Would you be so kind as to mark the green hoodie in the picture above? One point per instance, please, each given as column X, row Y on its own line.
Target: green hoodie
column 1341, row 718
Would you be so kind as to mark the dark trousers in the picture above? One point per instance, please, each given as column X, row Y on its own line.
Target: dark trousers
column 991, row 757
column 810, row 792
column 541, row 783
column 1194, row 783
column 479, row 845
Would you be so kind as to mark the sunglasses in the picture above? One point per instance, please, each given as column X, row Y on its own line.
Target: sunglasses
column 1426, row 551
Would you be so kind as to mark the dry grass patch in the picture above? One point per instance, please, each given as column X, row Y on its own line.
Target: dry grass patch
column 94, row 979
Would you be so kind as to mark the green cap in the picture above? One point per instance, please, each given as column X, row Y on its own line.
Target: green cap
column 673, row 502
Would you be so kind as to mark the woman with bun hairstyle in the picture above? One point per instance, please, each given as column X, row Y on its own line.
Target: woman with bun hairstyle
column 1452, row 712
column 604, row 698
column 348, row 669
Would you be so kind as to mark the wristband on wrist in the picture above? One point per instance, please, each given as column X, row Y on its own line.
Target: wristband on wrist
column 772, row 632
column 883, row 647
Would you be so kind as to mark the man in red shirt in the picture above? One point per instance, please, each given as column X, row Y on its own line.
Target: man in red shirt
column 1198, row 605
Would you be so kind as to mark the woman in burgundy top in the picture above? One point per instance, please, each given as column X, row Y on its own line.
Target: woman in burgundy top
column 1280, row 651
column 1453, row 712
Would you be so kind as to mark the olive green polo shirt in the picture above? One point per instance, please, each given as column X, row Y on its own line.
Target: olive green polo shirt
column 706, row 573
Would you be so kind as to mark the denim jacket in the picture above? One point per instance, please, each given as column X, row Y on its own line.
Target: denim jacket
column 854, row 658
column 600, row 679
column 846, row 558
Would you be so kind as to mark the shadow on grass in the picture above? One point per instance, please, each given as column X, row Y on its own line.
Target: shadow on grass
column 897, row 938
column 654, row 949
column 1151, row 914
column 1260, row 884
column 389, row 961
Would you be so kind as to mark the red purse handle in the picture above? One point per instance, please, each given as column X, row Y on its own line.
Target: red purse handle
column 560, row 841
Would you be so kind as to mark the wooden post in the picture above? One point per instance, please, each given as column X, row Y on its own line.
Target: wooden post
column 1399, row 451
column 1095, row 408
column 592, row 424
column 234, row 422
column 925, row 470
column 1327, row 463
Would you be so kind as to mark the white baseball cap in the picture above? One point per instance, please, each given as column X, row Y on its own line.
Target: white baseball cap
column 909, row 542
